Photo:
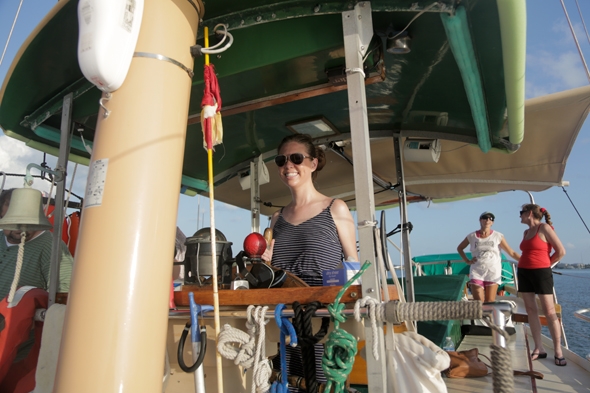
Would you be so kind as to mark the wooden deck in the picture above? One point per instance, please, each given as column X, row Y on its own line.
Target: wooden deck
column 575, row 377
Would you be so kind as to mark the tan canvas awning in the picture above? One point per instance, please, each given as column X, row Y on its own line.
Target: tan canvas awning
column 552, row 124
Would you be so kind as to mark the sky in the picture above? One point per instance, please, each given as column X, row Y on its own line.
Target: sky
column 553, row 65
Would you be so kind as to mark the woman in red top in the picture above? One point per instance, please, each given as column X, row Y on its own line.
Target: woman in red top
column 535, row 276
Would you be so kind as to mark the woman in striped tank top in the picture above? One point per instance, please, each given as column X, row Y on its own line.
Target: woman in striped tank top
column 312, row 233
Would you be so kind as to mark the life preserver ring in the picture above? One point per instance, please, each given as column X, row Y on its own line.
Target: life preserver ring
column 18, row 326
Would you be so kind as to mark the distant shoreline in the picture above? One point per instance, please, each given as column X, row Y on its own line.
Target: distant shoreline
column 572, row 266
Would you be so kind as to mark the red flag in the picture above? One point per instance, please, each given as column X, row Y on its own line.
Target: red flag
column 211, row 104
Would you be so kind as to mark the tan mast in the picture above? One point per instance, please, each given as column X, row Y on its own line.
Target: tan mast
column 116, row 321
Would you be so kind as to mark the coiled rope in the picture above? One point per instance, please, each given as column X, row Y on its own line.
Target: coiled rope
column 396, row 312
column 371, row 305
column 302, row 322
column 251, row 351
column 341, row 347
column 262, row 368
column 502, row 373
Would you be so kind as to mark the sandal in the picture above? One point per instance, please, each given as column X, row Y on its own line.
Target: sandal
column 560, row 361
column 538, row 355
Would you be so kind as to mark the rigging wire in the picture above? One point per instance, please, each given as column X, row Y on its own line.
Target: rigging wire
column 574, row 206
column 569, row 22
column 583, row 23
column 11, row 30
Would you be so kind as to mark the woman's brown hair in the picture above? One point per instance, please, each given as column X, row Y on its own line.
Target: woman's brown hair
column 538, row 212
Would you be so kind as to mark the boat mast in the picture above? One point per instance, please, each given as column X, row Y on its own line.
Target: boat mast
column 116, row 321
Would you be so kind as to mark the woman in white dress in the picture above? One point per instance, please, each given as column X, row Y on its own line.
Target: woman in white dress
column 485, row 244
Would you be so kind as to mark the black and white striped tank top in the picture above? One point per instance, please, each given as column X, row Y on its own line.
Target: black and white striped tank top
column 308, row 248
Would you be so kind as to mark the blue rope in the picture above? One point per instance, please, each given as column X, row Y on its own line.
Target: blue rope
column 286, row 329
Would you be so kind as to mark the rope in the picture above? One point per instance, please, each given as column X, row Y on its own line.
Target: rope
column 49, row 199
column 372, row 305
column 249, row 352
column 341, row 347
column 396, row 312
column 286, row 329
column 262, row 368
column 583, row 23
column 243, row 353
column 303, row 326
column 19, row 266
column 502, row 373
column 576, row 209
column 569, row 22
column 11, row 30
column 65, row 206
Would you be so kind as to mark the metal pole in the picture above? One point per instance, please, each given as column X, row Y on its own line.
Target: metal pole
column 357, row 27
column 408, row 274
column 58, row 212
column 255, row 194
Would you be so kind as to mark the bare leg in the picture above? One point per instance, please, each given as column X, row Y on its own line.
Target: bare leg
column 552, row 322
column 490, row 291
column 477, row 292
column 530, row 304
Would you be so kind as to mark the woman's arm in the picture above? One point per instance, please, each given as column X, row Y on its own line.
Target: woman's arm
column 460, row 249
column 504, row 246
column 552, row 239
column 345, row 226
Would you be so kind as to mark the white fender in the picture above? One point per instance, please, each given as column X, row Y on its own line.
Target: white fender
column 107, row 38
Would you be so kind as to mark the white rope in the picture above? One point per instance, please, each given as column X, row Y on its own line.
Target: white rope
column 19, row 266
column 372, row 306
column 416, row 17
column 366, row 224
column 262, row 369
column 70, row 190
column 355, row 70
column 250, row 351
column 243, row 353
column 11, row 29
column 49, row 201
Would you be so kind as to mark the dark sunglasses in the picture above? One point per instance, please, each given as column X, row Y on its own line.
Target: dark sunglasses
column 295, row 158
column 486, row 218
column 522, row 212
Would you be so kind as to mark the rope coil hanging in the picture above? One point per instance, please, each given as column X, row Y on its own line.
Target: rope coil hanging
column 286, row 329
column 341, row 347
column 303, row 326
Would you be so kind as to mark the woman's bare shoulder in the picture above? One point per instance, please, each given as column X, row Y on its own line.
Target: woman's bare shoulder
column 339, row 207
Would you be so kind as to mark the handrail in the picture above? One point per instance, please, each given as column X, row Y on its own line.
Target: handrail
column 578, row 314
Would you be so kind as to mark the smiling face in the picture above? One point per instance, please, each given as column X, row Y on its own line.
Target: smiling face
column 292, row 174
column 486, row 223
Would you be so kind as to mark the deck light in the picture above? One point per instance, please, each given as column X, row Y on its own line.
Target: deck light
column 398, row 43
column 317, row 127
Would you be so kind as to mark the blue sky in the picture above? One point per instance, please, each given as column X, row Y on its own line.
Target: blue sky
column 553, row 65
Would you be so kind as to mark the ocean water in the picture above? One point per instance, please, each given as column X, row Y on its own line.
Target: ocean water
column 572, row 287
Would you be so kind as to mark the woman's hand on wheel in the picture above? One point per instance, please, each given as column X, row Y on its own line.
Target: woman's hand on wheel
column 267, row 255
